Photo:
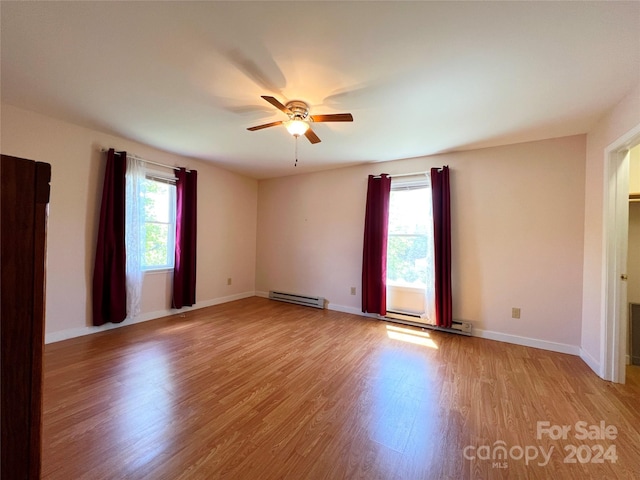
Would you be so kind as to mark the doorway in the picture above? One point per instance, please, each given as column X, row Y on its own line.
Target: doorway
column 614, row 330
column 633, row 265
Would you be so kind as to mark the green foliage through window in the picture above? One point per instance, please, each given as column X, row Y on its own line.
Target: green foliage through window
column 159, row 223
column 407, row 259
column 409, row 225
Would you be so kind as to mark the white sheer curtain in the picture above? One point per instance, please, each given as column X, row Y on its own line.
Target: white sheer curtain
column 134, row 234
column 429, row 315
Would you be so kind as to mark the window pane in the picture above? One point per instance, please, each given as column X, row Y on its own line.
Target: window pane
column 156, row 244
column 157, row 207
column 407, row 259
column 408, row 212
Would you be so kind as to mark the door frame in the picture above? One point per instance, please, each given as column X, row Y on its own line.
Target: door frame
column 614, row 325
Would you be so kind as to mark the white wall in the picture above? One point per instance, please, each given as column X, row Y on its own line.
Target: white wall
column 622, row 118
column 227, row 211
column 517, row 221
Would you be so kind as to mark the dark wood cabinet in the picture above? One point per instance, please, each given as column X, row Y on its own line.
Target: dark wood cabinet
column 24, row 197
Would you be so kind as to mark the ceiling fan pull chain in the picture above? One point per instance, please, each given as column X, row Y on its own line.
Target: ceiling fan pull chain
column 296, row 164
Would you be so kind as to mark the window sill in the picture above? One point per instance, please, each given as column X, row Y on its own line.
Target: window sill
column 156, row 271
column 406, row 288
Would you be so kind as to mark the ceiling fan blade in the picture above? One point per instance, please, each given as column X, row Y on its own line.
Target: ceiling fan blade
column 333, row 117
column 266, row 125
column 311, row 136
column 276, row 103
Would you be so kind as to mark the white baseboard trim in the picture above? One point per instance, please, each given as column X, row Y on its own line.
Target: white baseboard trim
column 490, row 335
column 220, row 300
column 527, row 342
column 53, row 337
column 331, row 306
column 351, row 310
column 591, row 362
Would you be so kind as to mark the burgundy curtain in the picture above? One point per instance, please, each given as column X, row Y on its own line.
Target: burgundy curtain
column 374, row 256
column 442, row 244
column 109, row 274
column 184, row 270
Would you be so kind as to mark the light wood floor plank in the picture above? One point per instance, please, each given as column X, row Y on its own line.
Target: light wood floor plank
column 257, row 389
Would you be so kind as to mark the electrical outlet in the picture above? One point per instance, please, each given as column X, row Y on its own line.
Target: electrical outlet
column 229, row 281
column 353, row 290
column 515, row 313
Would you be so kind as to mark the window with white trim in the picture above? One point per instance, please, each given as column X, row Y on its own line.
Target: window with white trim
column 159, row 222
column 410, row 255
column 409, row 217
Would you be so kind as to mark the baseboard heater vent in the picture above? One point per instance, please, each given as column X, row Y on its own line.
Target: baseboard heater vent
column 457, row 326
column 317, row 302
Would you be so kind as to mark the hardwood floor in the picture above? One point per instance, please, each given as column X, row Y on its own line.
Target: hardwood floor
column 257, row 389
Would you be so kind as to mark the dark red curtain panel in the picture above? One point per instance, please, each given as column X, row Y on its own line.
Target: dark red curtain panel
column 184, row 271
column 442, row 244
column 374, row 256
column 109, row 273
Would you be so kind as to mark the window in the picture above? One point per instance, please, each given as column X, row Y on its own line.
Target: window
column 410, row 256
column 409, row 226
column 159, row 222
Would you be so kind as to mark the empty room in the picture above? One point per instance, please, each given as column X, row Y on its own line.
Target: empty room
column 320, row 240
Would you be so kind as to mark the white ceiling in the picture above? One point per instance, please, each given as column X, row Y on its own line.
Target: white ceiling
column 418, row 77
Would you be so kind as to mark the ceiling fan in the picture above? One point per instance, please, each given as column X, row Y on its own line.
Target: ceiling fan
column 299, row 118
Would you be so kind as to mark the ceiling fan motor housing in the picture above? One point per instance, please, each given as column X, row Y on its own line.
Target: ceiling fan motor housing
column 299, row 109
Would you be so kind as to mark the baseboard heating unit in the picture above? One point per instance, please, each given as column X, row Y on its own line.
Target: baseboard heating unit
column 459, row 327
column 317, row 302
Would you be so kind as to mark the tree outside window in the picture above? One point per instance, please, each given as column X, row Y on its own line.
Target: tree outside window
column 159, row 208
column 407, row 252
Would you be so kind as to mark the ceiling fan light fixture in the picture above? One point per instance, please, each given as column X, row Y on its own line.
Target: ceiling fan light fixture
column 299, row 118
column 296, row 127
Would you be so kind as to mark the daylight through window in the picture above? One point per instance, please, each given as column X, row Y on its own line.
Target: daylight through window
column 409, row 224
column 159, row 213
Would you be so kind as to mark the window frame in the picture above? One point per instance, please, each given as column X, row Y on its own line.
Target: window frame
column 169, row 179
column 406, row 185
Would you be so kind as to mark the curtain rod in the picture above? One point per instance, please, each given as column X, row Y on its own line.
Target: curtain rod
column 104, row 150
column 413, row 174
